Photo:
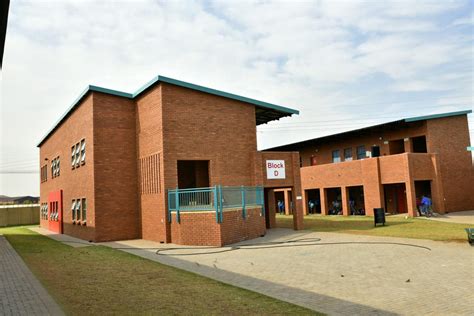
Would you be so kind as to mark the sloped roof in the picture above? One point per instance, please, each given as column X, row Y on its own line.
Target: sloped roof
column 264, row 111
column 386, row 124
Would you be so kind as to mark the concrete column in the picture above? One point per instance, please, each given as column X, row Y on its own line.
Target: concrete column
column 324, row 205
column 286, row 197
column 272, row 208
column 345, row 201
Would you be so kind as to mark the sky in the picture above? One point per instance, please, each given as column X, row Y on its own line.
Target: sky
column 342, row 64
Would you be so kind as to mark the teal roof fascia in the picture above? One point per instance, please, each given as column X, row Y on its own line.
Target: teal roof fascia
column 470, row 148
column 214, row 92
column 110, row 91
column 435, row 116
column 170, row 81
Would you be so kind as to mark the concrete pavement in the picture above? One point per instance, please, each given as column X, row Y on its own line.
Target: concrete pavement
column 340, row 274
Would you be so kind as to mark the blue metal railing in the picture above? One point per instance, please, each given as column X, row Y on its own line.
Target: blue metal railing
column 215, row 199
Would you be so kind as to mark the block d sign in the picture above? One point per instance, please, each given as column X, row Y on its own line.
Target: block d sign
column 275, row 169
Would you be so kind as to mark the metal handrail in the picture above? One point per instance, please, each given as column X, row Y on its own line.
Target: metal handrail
column 215, row 198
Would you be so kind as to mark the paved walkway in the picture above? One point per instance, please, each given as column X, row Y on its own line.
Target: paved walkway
column 20, row 292
column 466, row 217
column 339, row 275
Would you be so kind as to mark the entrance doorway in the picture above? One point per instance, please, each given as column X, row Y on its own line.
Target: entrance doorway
column 356, row 200
column 395, row 198
column 193, row 174
column 313, row 201
column 422, row 188
column 334, row 201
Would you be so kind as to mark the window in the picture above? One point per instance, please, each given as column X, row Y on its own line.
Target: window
column 77, row 153
column 73, row 210
column 73, row 156
column 335, row 156
column 44, row 173
column 361, row 152
column 83, row 151
column 348, row 154
column 44, row 211
column 55, row 167
column 78, row 209
column 84, row 210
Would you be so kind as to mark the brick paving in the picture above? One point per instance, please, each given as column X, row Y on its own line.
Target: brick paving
column 340, row 275
column 20, row 291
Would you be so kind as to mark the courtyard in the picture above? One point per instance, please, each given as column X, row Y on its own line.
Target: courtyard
column 335, row 273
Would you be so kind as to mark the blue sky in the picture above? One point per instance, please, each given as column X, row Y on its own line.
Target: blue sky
column 343, row 64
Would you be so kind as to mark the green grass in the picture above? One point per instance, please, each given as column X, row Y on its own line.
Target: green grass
column 395, row 226
column 98, row 280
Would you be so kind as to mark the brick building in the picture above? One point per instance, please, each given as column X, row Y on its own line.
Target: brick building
column 389, row 165
column 173, row 162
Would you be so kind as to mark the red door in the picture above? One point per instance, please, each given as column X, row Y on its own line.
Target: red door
column 401, row 199
column 55, row 211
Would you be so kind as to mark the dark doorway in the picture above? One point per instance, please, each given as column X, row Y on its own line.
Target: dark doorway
column 395, row 198
column 267, row 209
column 313, row 201
column 334, row 201
column 419, row 144
column 422, row 188
column 375, row 151
column 356, row 200
column 193, row 174
column 396, row 146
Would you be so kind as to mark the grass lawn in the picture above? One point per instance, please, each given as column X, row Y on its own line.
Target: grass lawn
column 395, row 226
column 99, row 280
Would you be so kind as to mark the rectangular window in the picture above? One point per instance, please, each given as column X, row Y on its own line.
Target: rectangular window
column 73, row 210
column 348, row 154
column 77, row 155
column 84, row 210
column 55, row 167
column 78, row 209
column 335, row 156
column 361, row 152
column 73, row 156
column 44, row 173
column 83, row 151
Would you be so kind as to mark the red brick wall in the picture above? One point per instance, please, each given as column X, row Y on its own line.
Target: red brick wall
column 235, row 228
column 323, row 151
column 449, row 137
column 77, row 183
column 201, row 228
column 149, row 135
column 115, row 168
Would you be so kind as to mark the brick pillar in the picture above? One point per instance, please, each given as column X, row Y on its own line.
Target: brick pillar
column 286, row 198
column 272, row 208
column 345, row 201
column 373, row 188
column 305, row 203
column 296, row 191
column 324, row 205
column 410, row 188
column 437, row 193
column 407, row 143
column 411, row 198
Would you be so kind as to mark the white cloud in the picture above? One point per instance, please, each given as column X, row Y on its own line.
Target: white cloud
column 330, row 59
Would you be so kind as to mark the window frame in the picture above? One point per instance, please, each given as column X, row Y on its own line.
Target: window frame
column 346, row 157
column 336, row 159
column 83, row 151
column 84, row 210
column 361, row 154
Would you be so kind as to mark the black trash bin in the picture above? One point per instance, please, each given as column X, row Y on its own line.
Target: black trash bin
column 379, row 216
